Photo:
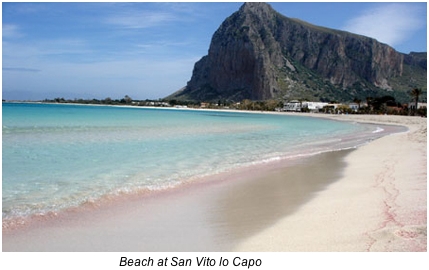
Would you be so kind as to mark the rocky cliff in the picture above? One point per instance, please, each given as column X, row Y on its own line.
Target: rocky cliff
column 260, row 54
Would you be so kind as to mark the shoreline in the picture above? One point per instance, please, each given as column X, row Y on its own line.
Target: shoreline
column 223, row 210
column 379, row 204
column 345, row 142
column 181, row 205
column 361, row 118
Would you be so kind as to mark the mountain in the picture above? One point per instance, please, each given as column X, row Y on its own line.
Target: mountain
column 259, row 54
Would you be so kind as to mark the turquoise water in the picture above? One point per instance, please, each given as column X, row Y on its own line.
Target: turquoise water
column 61, row 156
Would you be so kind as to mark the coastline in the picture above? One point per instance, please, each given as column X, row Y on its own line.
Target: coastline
column 229, row 217
column 215, row 214
column 379, row 203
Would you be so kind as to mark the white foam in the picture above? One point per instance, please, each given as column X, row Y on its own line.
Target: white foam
column 378, row 130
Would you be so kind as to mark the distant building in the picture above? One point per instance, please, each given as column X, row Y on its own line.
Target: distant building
column 354, row 107
column 292, row 106
column 297, row 106
column 412, row 105
column 205, row 105
column 314, row 106
column 158, row 104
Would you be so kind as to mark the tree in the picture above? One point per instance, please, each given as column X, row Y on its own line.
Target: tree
column 128, row 99
column 369, row 102
column 357, row 101
column 272, row 104
column 247, row 104
column 415, row 93
column 108, row 100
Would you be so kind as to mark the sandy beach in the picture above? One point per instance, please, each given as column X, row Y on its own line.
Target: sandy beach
column 373, row 198
column 378, row 204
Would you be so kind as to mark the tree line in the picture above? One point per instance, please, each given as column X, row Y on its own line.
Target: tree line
column 372, row 105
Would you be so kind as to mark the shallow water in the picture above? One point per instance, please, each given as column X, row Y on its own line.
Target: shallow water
column 59, row 156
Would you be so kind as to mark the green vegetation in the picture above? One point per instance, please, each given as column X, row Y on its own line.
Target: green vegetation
column 126, row 100
column 385, row 104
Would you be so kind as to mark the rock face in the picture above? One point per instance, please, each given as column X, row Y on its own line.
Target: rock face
column 260, row 54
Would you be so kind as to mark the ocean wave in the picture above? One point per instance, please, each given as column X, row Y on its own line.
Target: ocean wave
column 378, row 130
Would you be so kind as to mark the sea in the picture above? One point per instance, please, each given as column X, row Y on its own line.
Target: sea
column 61, row 156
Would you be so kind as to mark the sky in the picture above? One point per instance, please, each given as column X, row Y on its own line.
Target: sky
column 148, row 50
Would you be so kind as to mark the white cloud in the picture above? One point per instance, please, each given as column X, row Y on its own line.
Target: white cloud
column 139, row 76
column 391, row 23
column 28, row 8
column 11, row 31
column 139, row 20
column 26, row 53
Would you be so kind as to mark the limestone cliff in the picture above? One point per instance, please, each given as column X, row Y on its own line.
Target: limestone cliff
column 260, row 54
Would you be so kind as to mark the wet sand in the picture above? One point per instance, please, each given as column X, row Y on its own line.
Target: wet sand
column 211, row 215
column 369, row 199
column 379, row 204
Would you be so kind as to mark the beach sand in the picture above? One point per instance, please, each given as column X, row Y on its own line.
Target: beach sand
column 215, row 214
column 379, row 203
column 370, row 199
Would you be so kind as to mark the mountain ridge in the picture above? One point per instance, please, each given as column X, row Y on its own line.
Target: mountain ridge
column 259, row 54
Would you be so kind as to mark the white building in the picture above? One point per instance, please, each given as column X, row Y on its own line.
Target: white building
column 354, row 107
column 292, row 106
column 296, row 106
column 419, row 105
column 314, row 106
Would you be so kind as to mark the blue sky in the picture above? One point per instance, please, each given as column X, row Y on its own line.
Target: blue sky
column 148, row 50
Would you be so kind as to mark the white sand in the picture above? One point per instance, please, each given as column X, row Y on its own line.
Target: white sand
column 379, row 204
